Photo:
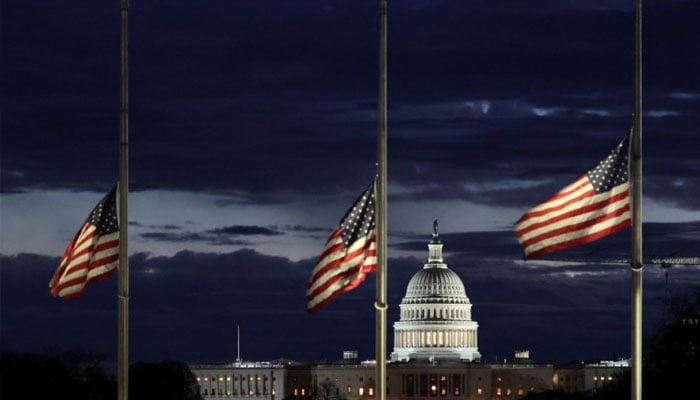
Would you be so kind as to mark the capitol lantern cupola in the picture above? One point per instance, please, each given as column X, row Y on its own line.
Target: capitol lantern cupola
column 435, row 314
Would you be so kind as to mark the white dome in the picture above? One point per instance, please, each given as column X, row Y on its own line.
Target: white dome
column 435, row 285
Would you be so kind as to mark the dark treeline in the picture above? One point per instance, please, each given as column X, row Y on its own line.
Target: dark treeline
column 54, row 374
column 81, row 376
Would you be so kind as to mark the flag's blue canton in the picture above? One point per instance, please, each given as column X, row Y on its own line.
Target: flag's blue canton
column 612, row 171
column 104, row 216
column 358, row 221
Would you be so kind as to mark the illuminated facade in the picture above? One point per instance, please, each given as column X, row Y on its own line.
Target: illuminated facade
column 435, row 315
column 405, row 381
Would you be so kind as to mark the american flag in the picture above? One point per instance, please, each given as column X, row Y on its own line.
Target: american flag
column 593, row 206
column 350, row 253
column 92, row 255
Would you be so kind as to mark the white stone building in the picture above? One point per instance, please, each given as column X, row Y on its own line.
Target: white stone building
column 436, row 314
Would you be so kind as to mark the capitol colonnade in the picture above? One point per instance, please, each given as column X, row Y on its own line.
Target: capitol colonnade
column 435, row 336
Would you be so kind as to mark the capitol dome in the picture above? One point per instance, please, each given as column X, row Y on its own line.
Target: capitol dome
column 435, row 315
column 437, row 284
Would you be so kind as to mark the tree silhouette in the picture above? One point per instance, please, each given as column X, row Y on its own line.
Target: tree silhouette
column 328, row 390
column 70, row 375
column 167, row 380
column 673, row 365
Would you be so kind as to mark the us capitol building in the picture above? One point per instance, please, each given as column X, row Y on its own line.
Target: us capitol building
column 436, row 354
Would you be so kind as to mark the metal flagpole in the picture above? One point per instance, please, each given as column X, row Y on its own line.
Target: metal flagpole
column 380, row 303
column 123, row 362
column 636, row 266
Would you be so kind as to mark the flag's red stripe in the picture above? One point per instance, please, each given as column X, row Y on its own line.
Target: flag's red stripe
column 338, row 248
column 333, row 296
column 87, row 250
column 319, row 275
column 95, row 279
column 103, row 246
column 104, row 261
column 85, row 236
column 351, row 285
column 558, row 196
column 90, row 264
column 332, row 280
column 575, row 227
column 78, row 253
column 578, row 211
column 579, row 241
column 361, row 269
column 85, row 278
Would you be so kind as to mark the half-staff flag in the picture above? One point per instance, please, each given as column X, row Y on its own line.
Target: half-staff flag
column 349, row 254
column 593, row 206
column 92, row 255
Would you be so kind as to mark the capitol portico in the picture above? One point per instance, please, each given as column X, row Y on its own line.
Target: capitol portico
column 435, row 315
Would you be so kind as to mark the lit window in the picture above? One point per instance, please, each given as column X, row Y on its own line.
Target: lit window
column 349, row 389
column 595, row 378
column 250, row 392
column 228, row 378
column 508, row 392
column 610, row 377
column 370, row 391
column 198, row 378
column 479, row 391
column 498, row 391
column 296, row 392
column 362, row 391
column 520, row 391
column 221, row 379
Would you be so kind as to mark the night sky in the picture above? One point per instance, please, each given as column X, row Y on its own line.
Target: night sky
column 252, row 129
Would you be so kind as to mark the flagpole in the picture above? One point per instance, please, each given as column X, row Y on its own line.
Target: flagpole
column 636, row 265
column 381, row 193
column 123, row 358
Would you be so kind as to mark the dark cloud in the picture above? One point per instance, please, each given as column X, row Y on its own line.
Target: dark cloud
column 176, row 236
column 229, row 235
column 265, row 99
column 237, row 230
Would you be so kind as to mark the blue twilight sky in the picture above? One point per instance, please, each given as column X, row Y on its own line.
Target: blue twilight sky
column 252, row 128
